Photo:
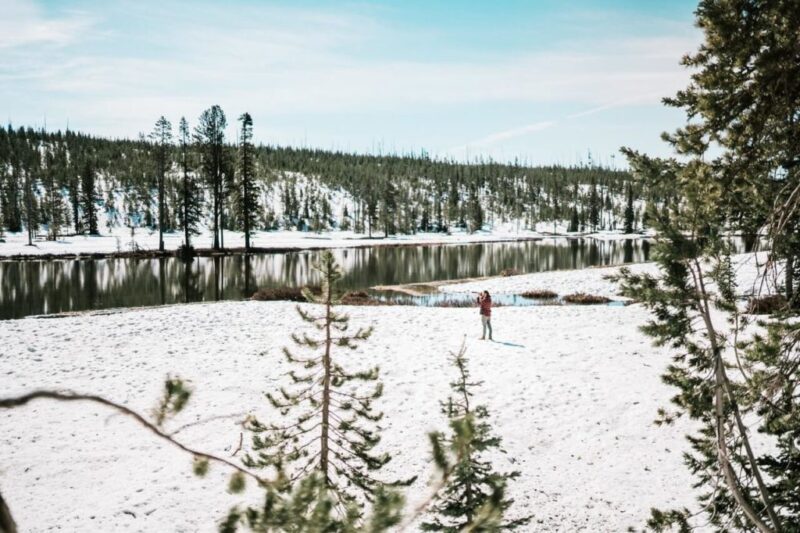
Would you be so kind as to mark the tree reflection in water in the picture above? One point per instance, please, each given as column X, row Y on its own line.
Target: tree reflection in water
column 43, row 287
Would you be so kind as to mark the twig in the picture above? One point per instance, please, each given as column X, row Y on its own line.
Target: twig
column 239, row 447
column 69, row 396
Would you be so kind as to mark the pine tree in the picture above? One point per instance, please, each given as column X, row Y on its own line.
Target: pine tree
column 335, row 427
column 210, row 138
column 161, row 137
column 389, row 205
column 594, row 207
column 629, row 212
column 737, row 103
column 31, row 211
column 89, row 198
column 697, row 277
column 573, row 221
column 55, row 211
column 475, row 210
column 191, row 196
column 248, row 192
column 473, row 499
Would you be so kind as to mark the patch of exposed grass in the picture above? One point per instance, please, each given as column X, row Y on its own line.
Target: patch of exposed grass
column 540, row 294
column 765, row 305
column 290, row 294
column 581, row 298
column 506, row 272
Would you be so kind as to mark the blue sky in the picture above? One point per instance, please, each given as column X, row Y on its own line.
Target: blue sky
column 542, row 81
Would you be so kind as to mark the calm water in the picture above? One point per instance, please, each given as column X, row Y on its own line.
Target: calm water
column 44, row 287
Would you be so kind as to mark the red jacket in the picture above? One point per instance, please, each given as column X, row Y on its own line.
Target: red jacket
column 486, row 305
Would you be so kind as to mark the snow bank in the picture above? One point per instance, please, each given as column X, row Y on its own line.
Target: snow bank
column 572, row 390
column 119, row 240
column 749, row 271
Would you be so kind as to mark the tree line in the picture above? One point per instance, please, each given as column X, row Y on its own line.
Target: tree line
column 54, row 184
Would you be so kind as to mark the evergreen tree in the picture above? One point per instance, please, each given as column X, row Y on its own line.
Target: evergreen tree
column 697, row 277
column 89, row 198
column 191, row 196
column 594, row 206
column 740, row 102
column 210, row 138
column 335, row 427
column 31, row 212
column 161, row 137
column 573, row 221
column 248, row 192
column 389, row 205
column 629, row 213
column 55, row 211
column 473, row 499
column 475, row 210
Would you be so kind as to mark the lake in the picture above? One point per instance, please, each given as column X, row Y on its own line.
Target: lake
column 57, row 286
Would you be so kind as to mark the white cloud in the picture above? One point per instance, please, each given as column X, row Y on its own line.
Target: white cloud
column 23, row 24
column 289, row 62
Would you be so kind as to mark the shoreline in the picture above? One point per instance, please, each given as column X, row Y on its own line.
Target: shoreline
column 374, row 242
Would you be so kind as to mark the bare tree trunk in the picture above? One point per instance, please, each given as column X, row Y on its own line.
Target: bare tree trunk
column 721, row 387
column 326, row 389
column 789, row 277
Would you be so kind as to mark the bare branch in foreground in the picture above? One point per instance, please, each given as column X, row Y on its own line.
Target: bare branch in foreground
column 69, row 396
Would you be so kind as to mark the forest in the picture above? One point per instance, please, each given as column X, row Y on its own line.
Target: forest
column 59, row 183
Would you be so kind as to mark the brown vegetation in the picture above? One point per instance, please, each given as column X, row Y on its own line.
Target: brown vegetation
column 582, row 298
column 540, row 294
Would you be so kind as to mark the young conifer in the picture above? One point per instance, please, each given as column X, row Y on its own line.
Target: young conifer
column 473, row 498
column 334, row 427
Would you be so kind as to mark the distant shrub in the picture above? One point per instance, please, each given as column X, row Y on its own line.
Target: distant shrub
column 582, row 298
column 510, row 272
column 765, row 305
column 540, row 294
column 291, row 294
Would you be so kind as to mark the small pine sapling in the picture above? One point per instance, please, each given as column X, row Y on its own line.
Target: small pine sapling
column 473, row 499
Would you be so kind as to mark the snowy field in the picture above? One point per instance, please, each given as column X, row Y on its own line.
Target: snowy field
column 119, row 240
column 573, row 392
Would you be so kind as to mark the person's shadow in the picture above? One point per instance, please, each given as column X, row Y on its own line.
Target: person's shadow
column 511, row 344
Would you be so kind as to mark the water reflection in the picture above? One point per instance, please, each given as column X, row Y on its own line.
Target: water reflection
column 42, row 287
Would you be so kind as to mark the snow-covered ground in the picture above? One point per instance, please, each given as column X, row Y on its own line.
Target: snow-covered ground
column 573, row 392
column 119, row 240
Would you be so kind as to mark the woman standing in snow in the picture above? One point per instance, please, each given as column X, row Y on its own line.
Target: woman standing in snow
column 485, row 303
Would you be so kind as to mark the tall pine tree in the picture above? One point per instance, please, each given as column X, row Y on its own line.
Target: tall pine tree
column 248, row 191
column 191, row 196
column 161, row 137
column 210, row 138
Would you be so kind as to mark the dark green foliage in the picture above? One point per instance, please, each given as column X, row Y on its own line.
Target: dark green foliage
column 161, row 138
column 329, row 426
column 385, row 193
column 247, row 203
column 473, row 498
column 191, row 196
column 209, row 135
column 309, row 506
column 734, row 377
column 89, row 198
column 629, row 213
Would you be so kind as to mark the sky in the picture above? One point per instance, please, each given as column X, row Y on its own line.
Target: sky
column 542, row 81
